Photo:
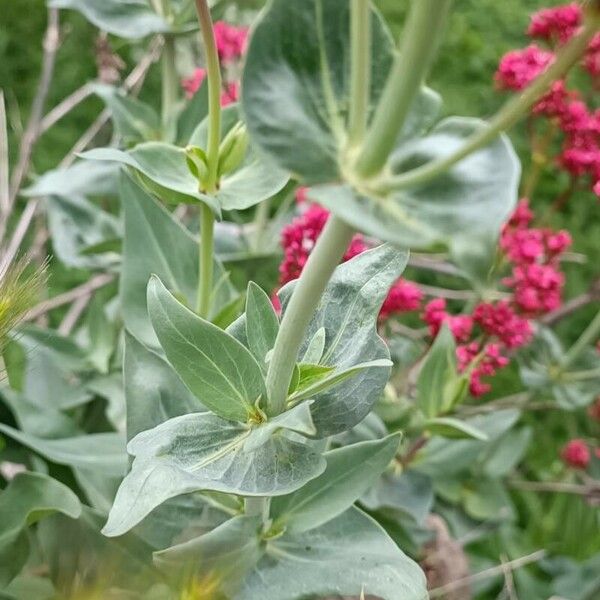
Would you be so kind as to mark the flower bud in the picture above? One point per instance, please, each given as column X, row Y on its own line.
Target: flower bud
column 232, row 150
column 197, row 163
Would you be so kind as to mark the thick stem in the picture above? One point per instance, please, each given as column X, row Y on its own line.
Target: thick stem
column 213, row 71
column 585, row 339
column 508, row 115
column 205, row 275
column 260, row 506
column 360, row 77
column 323, row 260
column 170, row 81
column 419, row 44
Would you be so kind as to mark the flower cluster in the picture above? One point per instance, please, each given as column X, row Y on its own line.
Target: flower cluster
column 536, row 280
column 231, row 45
column 566, row 109
column 298, row 239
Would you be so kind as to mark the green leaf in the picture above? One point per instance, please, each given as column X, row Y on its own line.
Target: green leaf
column 131, row 19
column 217, row 369
column 348, row 313
column 204, row 452
column 83, row 178
column 346, row 556
column 194, row 112
column 262, row 323
column 225, row 554
column 309, row 374
column 101, row 336
column 103, row 451
column 134, row 120
column 296, row 83
column 153, row 391
column 155, row 243
column 452, row 428
column 28, row 498
column 316, row 347
column 350, row 472
column 437, row 374
column 476, row 196
column 164, row 169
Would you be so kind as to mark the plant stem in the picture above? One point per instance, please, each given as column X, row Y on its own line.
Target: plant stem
column 170, row 81
column 360, row 77
column 205, row 265
column 254, row 506
column 213, row 71
column 323, row 260
column 207, row 218
column 261, row 220
column 585, row 339
column 419, row 44
column 507, row 116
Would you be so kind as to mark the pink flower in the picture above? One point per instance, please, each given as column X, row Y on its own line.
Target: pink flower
column 576, row 454
column 537, row 288
column 591, row 61
column 403, row 297
column 557, row 23
column 435, row 316
column 596, row 188
column 518, row 68
column 522, row 215
column 501, row 321
column 555, row 102
column 483, row 362
column 192, row 84
column 230, row 40
column 230, row 94
column 301, row 195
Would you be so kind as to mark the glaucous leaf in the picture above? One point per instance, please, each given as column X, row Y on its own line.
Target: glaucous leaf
column 133, row 119
column 450, row 427
column 473, row 198
column 76, row 224
column 204, row 452
column 103, row 451
column 262, row 323
column 296, row 83
column 217, row 369
column 28, row 498
column 153, row 391
column 155, row 243
column 350, row 472
column 348, row 313
column 83, row 178
column 347, row 556
column 131, row 19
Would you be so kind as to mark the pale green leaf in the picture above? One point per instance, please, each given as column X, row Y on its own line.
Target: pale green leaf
column 450, row 427
column 262, row 323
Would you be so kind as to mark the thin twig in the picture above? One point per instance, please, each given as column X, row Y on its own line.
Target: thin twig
column 573, row 305
column 557, row 487
column 437, row 266
column 75, row 311
column 76, row 293
column 66, row 106
column 513, row 565
column 4, row 161
column 32, row 131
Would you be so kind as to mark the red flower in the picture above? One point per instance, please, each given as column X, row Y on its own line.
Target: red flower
column 557, row 23
column 501, row 321
column 192, row 84
column 576, row 454
column 518, row 68
column 403, row 297
column 230, row 40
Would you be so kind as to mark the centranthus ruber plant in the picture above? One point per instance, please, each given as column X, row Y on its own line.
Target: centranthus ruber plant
column 287, row 445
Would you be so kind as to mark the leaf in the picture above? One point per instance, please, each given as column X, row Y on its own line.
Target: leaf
column 101, row 336
column 193, row 113
column 296, row 83
column 438, row 370
column 225, row 554
column 348, row 313
column 134, row 120
column 131, row 19
column 450, row 427
column 83, row 178
column 475, row 196
column 28, row 498
column 345, row 557
column 155, row 243
column 103, row 451
column 217, row 369
column 204, row 452
column 262, row 323
column 154, row 393
column 316, row 347
column 406, row 493
column 350, row 472
column 334, row 378
column 164, row 171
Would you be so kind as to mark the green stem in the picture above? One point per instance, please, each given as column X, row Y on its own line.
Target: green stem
column 585, row 339
column 170, row 81
column 261, row 220
column 360, row 77
column 508, row 115
column 323, row 260
column 419, row 44
column 205, row 275
column 254, row 506
column 582, row 375
column 213, row 71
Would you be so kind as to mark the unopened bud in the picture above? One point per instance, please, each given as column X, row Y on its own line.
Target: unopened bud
column 197, row 163
column 232, row 150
